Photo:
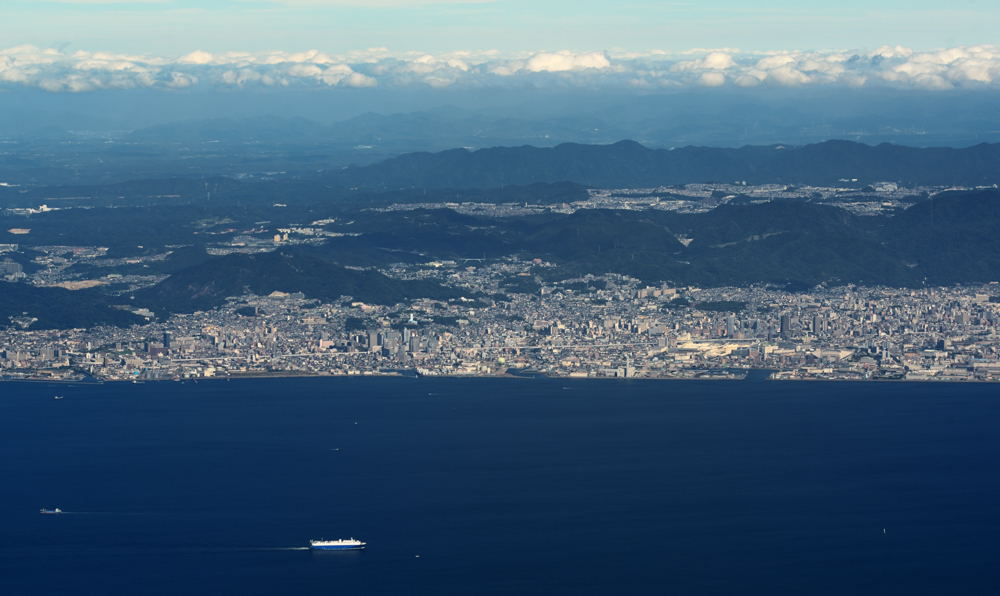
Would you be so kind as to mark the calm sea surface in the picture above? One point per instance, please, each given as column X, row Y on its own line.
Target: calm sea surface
column 500, row 487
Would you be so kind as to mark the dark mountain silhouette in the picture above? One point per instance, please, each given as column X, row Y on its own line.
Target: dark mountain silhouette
column 56, row 308
column 954, row 238
column 780, row 242
column 208, row 284
column 951, row 239
column 629, row 164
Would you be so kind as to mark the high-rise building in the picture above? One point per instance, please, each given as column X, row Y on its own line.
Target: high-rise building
column 374, row 341
column 786, row 326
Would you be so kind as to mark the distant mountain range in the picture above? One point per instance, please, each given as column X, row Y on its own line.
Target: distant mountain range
column 98, row 137
column 486, row 175
column 402, row 132
column 437, row 119
column 630, row 164
column 624, row 163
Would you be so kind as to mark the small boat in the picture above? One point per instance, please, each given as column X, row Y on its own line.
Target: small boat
column 348, row 544
column 50, row 510
column 57, row 397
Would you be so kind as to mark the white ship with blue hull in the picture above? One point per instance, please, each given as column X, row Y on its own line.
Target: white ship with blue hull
column 342, row 544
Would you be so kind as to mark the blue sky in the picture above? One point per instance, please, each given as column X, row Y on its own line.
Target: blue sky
column 175, row 27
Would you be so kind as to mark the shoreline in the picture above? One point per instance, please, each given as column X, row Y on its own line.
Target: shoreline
column 401, row 375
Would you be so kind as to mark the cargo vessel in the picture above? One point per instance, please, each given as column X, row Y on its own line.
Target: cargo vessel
column 342, row 544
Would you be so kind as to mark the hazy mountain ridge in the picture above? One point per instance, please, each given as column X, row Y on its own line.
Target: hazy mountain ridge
column 630, row 164
column 102, row 137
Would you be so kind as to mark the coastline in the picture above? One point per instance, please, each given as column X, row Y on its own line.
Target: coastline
column 750, row 377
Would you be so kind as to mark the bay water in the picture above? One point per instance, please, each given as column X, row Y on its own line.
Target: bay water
column 500, row 486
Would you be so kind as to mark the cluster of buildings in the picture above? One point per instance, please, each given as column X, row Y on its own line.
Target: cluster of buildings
column 878, row 199
column 609, row 326
column 9, row 269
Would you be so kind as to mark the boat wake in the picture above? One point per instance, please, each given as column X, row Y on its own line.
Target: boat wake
column 220, row 549
column 103, row 513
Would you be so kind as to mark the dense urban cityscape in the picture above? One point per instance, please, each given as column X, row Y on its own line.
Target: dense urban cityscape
column 608, row 326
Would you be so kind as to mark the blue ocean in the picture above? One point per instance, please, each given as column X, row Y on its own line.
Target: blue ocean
column 491, row 486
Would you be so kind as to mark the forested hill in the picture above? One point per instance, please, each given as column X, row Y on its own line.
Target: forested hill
column 207, row 284
column 629, row 164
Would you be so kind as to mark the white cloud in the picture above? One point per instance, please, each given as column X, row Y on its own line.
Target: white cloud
column 565, row 60
column 718, row 61
column 196, row 57
column 892, row 66
column 779, row 61
column 788, row 76
column 712, row 79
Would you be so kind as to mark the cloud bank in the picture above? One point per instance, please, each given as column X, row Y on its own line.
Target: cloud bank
column 967, row 67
